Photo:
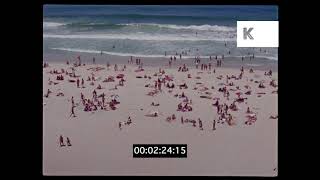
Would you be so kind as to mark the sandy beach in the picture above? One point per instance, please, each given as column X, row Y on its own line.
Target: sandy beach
column 243, row 146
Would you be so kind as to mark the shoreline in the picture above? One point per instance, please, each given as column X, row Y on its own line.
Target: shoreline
column 228, row 62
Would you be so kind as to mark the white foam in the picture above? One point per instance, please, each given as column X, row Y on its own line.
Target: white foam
column 204, row 27
column 52, row 24
column 120, row 54
column 145, row 37
column 105, row 52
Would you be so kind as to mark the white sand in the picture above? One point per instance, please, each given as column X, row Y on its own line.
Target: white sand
column 100, row 148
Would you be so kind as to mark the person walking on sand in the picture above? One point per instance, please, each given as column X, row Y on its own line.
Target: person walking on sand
column 159, row 86
column 200, row 124
column 120, row 127
column 129, row 120
column 103, row 99
column 61, row 141
column 214, row 125
column 115, row 67
column 72, row 111
column 82, row 83
column 68, row 142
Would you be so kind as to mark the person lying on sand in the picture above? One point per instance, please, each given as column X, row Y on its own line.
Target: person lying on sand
column 252, row 118
column 154, row 114
column 60, row 94
column 184, row 86
column 274, row 117
column 112, row 105
column 153, row 104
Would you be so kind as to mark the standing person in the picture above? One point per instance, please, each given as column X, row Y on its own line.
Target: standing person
column 101, row 53
column 68, row 142
column 61, row 141
column 94, row 60
column 180, row 56
column 103, row 99
column 200, row 124
column 181, row 119
column 78, row 82
column 129, row 120
column 214, row 125
column 108, row 65
column 120, row 126
column 94, row 94
column 82, row 83
column 72, row 101
column 159, row 86
column 209, row 66
column 165, row 53
column 72, row 111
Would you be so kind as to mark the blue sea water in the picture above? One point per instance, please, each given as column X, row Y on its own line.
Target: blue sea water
column 150, row 31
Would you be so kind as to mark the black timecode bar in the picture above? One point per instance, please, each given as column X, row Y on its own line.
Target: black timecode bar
column 159, row 150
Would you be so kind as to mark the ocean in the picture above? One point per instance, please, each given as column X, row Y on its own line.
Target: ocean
column 151, row 31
